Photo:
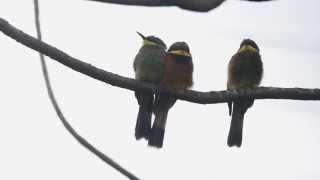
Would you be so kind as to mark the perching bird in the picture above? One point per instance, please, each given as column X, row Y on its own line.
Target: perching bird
column 148, row 66
column 178, row 69
column 245, row 71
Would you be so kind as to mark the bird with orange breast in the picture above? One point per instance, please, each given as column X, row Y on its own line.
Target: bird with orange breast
column 178, row 70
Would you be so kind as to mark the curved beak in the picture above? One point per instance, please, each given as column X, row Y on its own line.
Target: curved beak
column 141, row 35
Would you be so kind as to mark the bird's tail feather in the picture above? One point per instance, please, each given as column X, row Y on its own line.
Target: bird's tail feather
column 143, row 125
column 235, row 132
column 158, row 129
column 236, row 127
column 230, row 108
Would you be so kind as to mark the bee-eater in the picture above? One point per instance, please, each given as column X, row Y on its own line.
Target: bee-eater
column 148, row 67
column 178, row 69
column 245, row 71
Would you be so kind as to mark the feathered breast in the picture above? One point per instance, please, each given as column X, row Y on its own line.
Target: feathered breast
column 245, row 70
column 149, row 64
column 178, row 72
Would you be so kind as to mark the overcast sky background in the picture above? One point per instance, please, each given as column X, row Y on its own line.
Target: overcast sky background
column 281, row 137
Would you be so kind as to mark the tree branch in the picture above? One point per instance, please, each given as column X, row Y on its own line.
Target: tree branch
column 192, row 5
column 131, row 84
column 64, row 121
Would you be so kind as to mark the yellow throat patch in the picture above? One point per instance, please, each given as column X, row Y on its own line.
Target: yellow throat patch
column 147, row 42
column 247, row 48
column 180, row 52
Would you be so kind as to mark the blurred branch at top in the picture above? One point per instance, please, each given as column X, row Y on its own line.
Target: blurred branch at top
column 193, row 5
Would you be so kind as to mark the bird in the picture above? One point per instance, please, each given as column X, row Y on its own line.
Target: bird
column 245, row 71
column 148, row 66
column 178, row 70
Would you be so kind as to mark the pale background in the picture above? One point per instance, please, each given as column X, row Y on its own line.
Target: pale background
column 281, row 137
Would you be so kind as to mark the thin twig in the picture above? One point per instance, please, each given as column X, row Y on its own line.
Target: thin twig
column 66, row 124
column 211, row 97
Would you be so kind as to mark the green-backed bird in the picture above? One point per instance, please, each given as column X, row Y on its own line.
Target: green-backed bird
column 178, row 69
column 245, row 71
column 148, row 67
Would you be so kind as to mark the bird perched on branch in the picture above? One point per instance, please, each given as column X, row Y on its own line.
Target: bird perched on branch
column 149, row 67
column 245, row 71
column 178, row 69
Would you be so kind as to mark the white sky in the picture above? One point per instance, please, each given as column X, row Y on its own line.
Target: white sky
column 281, row 137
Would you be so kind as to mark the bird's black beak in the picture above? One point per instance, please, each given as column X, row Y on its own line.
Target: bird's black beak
column 141, row 35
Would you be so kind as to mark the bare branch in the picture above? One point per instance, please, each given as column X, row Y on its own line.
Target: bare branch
column 192, row 5
column 64, row 121
column 131, row 84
